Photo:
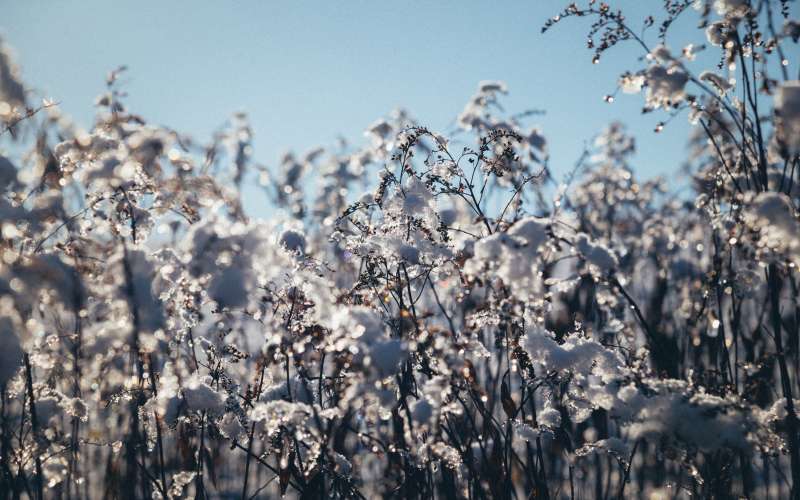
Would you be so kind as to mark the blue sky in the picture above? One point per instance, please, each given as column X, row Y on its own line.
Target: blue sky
column 307, row 72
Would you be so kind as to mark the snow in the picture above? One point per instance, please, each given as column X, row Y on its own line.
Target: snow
column 596, row 254
column 665, row 85
column 721, row 84
column 200, row 396
column 773, row 216
column 787, row 109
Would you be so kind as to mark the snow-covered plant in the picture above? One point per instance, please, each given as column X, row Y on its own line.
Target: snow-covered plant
column 429, row 313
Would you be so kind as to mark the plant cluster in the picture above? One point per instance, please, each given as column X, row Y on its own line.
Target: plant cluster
column 432, row 315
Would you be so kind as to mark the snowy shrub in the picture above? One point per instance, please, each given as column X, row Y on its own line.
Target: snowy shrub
column 435, row 316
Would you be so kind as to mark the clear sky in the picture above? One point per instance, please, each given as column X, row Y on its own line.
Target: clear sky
column 309, row 71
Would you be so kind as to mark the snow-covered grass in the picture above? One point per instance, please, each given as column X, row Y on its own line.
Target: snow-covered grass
column 439, row 318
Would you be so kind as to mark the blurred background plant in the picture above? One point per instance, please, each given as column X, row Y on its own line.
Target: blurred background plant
column 436, row 314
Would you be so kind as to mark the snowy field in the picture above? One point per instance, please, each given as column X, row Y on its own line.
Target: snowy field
column 425, row 314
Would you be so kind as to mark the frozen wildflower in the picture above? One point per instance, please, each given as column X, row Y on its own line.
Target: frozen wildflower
column 777, row 412
column 732, row 8
column 358, row 322
column 47, row 408
column 537, row 140
column 550, row 417
column 499, row 252
column 448, row 455
column 631, row 83
column 791, row 29
column 12, row 91
column 511, row 256
column 385, row 134
column 596, row 254
column 381, row 133
column 138, row 290
column 531, row 233
column 231, row 427
column 721, row 84
column 718, row 33
column 773, row 216
column 661, row 54
column 526, row 432
column 200, row 396
column 475, row 113
column 489, row 86
column 374, row 348
column 665, row 85
column 698, row 420
column 417, row 198
column 49, row 272
column 412, row 340
column 296, row 390
column 576, row 354
column 75, row 407
column 615, row 447
column 276, row 414
column 787, row 110
column 234, row 259
column 167, row 404
column 689, row 52
column 55, row 471
column 179, row 483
